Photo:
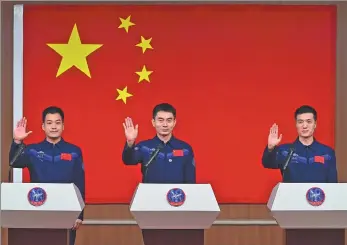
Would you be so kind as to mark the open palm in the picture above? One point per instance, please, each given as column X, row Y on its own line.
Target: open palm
column 130, row 130
column 20, row 132
column 274, row 139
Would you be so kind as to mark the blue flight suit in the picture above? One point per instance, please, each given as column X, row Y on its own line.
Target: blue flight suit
column 315, row 163
column 46, row 164
column 174, row 164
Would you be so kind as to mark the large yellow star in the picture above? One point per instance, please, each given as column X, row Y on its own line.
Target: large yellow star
column 144, row 74
column 126, row 23
column 123, row 94
column 144, row 44
column 74, row 53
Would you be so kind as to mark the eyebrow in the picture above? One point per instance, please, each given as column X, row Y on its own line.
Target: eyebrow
column 164, row 118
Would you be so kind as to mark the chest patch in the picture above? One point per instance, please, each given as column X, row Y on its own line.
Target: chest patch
column 40, row 155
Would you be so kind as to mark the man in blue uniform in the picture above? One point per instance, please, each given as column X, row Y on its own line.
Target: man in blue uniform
column 164, row 158
column 305, row 160
column 53, row 160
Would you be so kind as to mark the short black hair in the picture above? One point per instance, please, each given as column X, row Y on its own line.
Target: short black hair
column 164, row 107
column 52, row 110
column 305, row 109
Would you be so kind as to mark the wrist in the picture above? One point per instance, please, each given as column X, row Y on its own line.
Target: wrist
column 18, row 142
column 130, row 143
column 270, row 147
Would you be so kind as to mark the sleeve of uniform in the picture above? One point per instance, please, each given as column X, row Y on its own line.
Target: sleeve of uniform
column 332, row 171
column 79, row 178
column 132, row 155
column 269, row 158
column 23, row 160
column 190, row 171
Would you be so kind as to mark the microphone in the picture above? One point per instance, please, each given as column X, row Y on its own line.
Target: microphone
column 154, row 155
column 290, row 155
column 20, row 150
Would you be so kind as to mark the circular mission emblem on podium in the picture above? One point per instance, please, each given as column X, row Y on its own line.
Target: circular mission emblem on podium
column 315, row 196
column 37, row 196
column 176, row 197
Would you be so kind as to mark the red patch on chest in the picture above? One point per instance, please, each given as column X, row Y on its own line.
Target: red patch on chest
column 319, row 159
column 66, row 156
column 178, row 153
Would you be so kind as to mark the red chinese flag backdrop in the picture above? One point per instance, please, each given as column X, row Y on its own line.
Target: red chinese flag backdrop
column 230, row 70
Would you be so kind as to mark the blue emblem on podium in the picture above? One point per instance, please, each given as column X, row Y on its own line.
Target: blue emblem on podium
column 176, row 197
column 315, row 196
column 37, row 196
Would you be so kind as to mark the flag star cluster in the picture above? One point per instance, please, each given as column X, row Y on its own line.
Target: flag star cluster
column 145, row 45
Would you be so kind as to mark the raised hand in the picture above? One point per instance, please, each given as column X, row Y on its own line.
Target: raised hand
column 273, row 139
column 20, row 132
column 130, row 130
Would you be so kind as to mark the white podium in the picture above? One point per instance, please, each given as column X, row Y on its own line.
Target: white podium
column 174, row 213
column 311, row 213
column 39, row 213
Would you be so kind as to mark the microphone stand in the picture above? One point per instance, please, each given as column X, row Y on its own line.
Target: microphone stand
column 151, row 159
column 14, row 159
column 285, row 166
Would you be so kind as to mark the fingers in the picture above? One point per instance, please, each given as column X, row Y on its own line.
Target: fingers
column 128, row 123
column 280, row 138
column 20, row 123
column 29, row 133
column 76, row 226
column 274, row 129
column 24, row 122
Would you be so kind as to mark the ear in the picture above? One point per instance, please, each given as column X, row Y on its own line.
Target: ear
column 43, row 127
column 63, row 126
column 153, row 124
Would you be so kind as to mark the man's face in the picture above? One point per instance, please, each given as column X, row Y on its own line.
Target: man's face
column 53, row 126
column 164, row 123
column 305, row 125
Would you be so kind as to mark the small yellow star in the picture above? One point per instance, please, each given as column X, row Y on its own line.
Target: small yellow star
column 144, row 44
column 126, row 23
column 74, row 53
column 144, row 74
column 123, row 94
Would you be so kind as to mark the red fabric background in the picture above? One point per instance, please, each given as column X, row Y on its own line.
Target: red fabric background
column 230, row 70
